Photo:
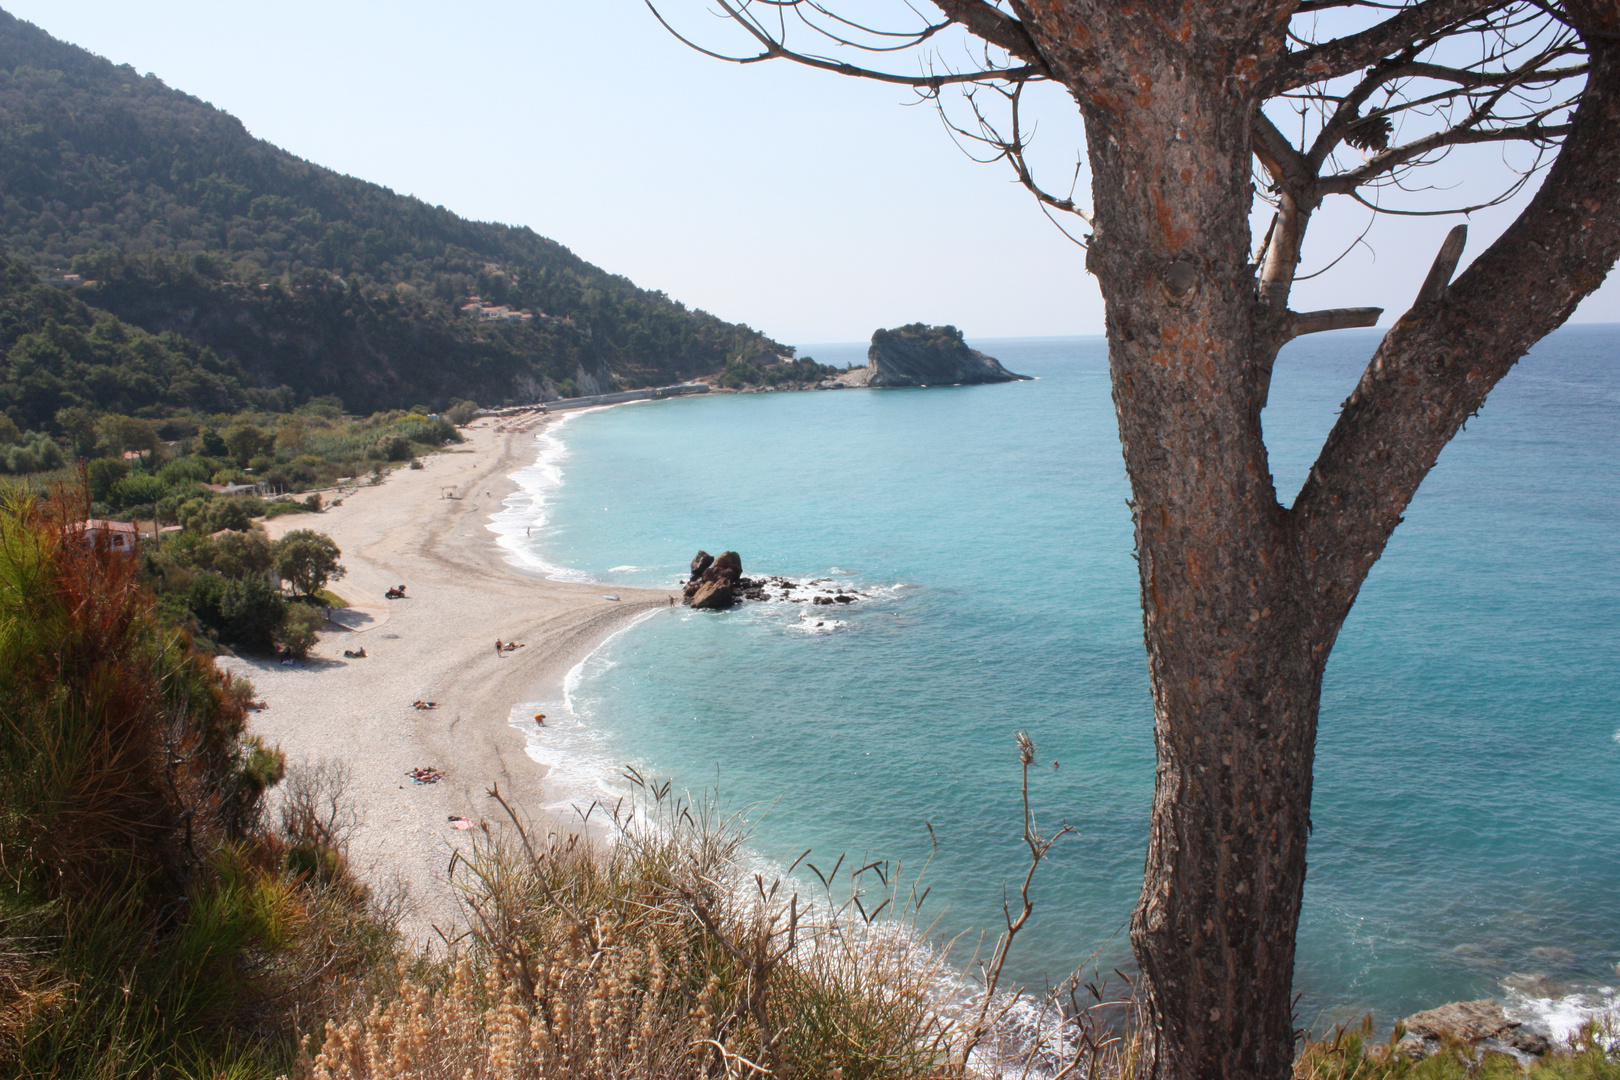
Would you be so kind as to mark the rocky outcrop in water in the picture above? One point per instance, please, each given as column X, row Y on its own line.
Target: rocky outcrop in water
column 714, row 580
column 919, row 355
column 1478, row 1024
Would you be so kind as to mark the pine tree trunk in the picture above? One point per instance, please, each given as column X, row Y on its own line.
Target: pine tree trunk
column 1243, row 598
column 1236, row 663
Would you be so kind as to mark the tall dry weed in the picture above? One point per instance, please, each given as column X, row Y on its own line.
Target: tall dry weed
column 659, row 953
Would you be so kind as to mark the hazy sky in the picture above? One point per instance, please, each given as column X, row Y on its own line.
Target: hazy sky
column 811, row 206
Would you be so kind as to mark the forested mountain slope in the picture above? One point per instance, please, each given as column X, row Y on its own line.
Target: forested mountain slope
column 60, row 353
column 321, row 282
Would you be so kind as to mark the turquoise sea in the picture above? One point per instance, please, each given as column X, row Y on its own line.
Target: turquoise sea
column 1467, row 810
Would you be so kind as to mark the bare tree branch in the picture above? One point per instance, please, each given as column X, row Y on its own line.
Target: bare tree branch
column 1315, row 322
column 1345, row 183
column 1441, row 359
column 995, row 26
column 1341, row 56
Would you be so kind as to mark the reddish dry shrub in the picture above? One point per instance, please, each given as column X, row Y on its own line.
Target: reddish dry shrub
column 120, row 745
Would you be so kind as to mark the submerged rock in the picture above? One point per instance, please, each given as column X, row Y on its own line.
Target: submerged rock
column 919, row 355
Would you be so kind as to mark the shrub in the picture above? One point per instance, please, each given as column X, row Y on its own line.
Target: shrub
column 210, row 515
column 461, row 413
column 299, row 628
column 102, row 474
column 37, row 452
column 243, row 554
column 144, row 930
column 184, row 471
column 282, row 509
column 247, row 613
column 135, row 490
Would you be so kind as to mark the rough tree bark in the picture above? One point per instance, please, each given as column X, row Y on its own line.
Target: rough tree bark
column 1243, row 597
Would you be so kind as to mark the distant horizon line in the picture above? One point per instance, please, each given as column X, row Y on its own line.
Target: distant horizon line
column 1086, row 337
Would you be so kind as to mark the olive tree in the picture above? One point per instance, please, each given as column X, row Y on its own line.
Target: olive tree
column 1191, row 112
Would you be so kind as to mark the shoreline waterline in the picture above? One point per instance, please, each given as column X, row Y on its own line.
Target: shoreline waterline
column 427, row 529
column 1379, row 936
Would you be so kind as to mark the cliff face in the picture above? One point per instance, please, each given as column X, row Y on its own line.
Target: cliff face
column 919, row 355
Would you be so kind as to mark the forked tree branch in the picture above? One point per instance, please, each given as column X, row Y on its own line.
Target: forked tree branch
column 997, row 27
column 772, row 48
column 1441, row 359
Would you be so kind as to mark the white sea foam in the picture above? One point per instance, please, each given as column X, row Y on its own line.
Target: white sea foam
column 1564, row 1016
column 524, row 515
column 586, row 769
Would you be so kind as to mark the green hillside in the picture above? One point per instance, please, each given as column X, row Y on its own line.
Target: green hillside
column 60, row 353
column 183, row 222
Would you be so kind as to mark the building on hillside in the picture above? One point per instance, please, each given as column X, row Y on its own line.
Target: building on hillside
column 118, row 537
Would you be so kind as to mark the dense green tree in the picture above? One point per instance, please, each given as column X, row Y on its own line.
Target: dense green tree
column 102, row 474
column 78, row 426
column 309, row 560
column 210, row 515
column 297, row 633
column 120, row 434
column 246, row 613
column 245, row 441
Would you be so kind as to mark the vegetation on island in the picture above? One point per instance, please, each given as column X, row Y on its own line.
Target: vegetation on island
column 782, row 372
column 921, row 335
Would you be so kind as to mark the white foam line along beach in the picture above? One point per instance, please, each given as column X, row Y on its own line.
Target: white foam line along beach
column 428, row 529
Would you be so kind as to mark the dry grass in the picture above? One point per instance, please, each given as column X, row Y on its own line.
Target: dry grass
column 1355, row 1054
column 655, row 955
column 659, row 953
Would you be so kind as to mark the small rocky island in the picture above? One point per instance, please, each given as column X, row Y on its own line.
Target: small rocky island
column 717, row 583
column 920, row 355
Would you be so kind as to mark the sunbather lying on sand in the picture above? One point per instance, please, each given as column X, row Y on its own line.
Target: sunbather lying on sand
column 512, row 645
column 426, row 775
column 420, row 704
column 355, row 654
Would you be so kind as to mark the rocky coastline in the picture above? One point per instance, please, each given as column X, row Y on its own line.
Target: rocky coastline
column 717, row 582
column 921, row 355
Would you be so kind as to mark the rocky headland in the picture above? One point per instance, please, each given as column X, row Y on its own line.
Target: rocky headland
column 717, row 582
column 920, row 355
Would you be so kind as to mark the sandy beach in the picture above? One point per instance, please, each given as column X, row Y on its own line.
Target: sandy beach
column 426, row 529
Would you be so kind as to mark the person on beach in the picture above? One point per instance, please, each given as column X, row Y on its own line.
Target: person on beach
column 497, row 646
